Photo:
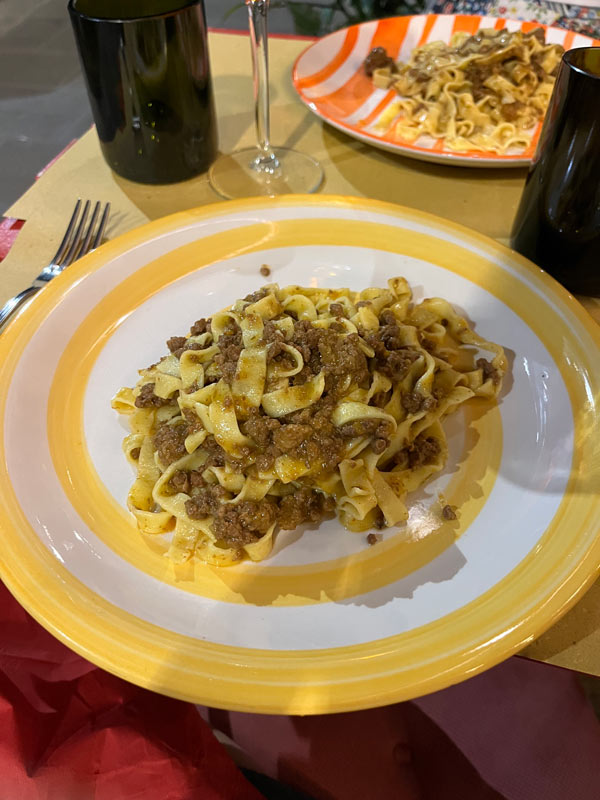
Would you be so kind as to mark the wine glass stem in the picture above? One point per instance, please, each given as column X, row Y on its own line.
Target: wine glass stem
column 257, row 12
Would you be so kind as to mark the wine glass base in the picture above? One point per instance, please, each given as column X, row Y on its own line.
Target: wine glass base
column 246, row 173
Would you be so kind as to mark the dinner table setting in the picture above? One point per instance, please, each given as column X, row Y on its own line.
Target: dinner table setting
column 455, row 653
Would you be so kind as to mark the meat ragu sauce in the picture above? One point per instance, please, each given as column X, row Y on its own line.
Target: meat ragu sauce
column 308, row 434
column 500, row 58
column 296, row 404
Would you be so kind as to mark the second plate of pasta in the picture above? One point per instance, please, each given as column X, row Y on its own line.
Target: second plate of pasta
column 460, row 89
column 356, row 479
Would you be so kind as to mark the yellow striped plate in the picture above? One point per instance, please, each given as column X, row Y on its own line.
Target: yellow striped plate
column 327, row 623
column 329, row 78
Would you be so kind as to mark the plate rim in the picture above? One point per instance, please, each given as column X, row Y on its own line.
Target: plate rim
column 407, row 150
column 579, row 579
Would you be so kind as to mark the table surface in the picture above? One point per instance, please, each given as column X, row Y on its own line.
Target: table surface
column 483, row 199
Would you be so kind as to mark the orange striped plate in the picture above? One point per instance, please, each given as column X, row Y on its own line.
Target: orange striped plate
column 329, row 78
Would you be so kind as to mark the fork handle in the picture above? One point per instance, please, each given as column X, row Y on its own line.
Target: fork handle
column 12, row 305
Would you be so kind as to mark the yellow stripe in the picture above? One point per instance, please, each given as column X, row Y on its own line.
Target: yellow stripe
column 542, row 587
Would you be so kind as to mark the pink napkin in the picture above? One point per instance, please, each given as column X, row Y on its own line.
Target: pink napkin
column 9, row 229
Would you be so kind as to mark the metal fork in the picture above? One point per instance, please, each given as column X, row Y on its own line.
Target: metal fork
column 77, row 241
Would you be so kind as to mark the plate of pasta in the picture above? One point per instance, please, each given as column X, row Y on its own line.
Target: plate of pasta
column 299, row 457
column 456, row 89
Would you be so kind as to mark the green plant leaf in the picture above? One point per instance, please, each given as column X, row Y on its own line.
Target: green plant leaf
column 232, row 10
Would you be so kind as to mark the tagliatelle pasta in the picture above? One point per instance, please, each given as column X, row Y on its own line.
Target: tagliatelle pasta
column 484, row 92
column 295, row 404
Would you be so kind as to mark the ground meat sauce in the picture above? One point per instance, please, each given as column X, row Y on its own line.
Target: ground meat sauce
column 378, row 59
column 180, row 481
column 176, row 343
column 342, row 356
column 147, row 398
column 379, row 445
column 325, row 350
column 206, row 500
column 238, row 524
column 413, row 402
column 193, row 422
column 200, row 326
column 230, row 346
column 477, row 76
column 488, row 369
column 392, row 357
column 423, row 451
column 271, row 333
column 188, row 346
column 169, row 442
column 288, row 438
column 256, row 296
column 510, row 111
column 337, row 309
column 366, row 427
column 420, row 75
column 308, row 435
column 448, row 513
column 276, row 350
column 260, row 428
column 305, row 505
column 217, row 457
column 537, row 33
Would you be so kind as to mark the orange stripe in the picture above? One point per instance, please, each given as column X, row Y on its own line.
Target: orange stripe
column 466, row 23
column 341, row 56
column 429, row 23
column 389, row 96
column 568, row 43
column 500, row 24
column 390, row 34
column 530, row 26
column 438, row 147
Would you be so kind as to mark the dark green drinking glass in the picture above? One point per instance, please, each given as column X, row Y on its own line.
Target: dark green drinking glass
column 558, row 222
column 147, row 73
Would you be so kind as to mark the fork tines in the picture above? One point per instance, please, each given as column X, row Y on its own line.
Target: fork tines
column 79, row 239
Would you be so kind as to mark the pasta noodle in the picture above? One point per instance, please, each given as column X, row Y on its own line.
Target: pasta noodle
column 294, row 404
column 483, row 92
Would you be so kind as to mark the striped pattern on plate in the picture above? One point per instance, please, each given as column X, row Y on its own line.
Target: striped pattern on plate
column 329, row 78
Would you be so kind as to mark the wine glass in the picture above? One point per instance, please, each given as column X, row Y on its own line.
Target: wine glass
column 263, row 169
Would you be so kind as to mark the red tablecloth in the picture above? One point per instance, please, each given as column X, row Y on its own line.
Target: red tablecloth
column 70, row 731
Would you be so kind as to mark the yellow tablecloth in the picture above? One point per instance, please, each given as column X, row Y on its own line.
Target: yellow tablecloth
column 483, row 199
